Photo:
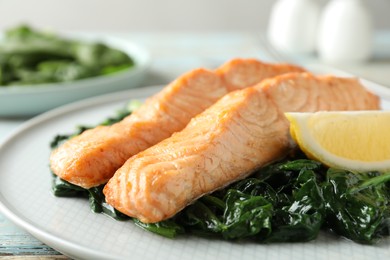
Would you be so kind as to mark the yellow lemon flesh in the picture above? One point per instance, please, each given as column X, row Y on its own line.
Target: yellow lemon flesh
column 353, row 140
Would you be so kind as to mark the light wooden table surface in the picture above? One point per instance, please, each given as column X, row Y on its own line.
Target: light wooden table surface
column 173, row 54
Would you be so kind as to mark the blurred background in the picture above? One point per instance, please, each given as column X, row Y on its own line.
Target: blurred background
column 151, row 15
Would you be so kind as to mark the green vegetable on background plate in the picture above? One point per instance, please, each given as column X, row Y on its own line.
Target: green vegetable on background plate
column 287, row 201
column 29, row 56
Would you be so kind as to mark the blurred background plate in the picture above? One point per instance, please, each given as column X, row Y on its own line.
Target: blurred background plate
column 18, row 101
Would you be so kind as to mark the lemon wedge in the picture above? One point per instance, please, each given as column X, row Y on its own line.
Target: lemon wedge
column 351, row 140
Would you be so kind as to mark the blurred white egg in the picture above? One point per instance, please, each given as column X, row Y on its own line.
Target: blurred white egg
column 345, row 32
column 293, row 25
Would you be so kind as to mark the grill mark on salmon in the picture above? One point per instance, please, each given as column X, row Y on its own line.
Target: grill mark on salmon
column 243, row 131
column 92, row 158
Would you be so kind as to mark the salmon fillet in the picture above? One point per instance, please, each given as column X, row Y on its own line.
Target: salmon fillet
column 242, row 132
column 92, row 158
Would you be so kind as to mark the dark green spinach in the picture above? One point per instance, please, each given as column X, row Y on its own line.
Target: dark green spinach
column 29, row 56
column 358, row 204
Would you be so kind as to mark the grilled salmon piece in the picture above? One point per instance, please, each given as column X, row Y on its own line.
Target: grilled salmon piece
column 243, row 131
column 92, row 158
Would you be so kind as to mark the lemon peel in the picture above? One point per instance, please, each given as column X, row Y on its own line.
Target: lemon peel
column 350, row 140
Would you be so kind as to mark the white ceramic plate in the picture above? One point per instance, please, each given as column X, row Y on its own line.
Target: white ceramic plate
column 68, row 225
column 34, row 99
